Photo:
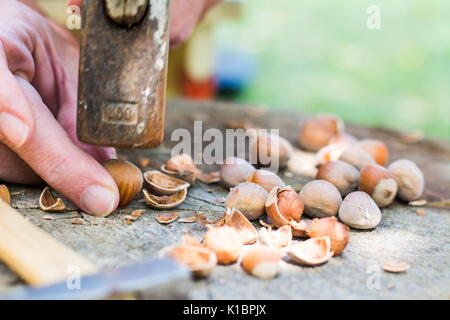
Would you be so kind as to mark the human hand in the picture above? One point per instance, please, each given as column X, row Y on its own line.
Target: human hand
column 38, row 73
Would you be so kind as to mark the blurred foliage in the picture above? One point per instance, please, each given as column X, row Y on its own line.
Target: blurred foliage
column 319, row 56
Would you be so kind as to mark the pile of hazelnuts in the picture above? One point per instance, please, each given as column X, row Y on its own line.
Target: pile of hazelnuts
column 353, row 180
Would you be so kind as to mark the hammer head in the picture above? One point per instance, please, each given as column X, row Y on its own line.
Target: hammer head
column 122, row 77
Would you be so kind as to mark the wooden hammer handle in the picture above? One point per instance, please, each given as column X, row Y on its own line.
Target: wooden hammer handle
column 34, row 255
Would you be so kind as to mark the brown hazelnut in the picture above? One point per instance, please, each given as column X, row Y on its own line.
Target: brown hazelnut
column 339, row 234
column 341, row 174
column 234, row 171
column 377, row 149
column 248, row 198
column 266, row 148
column 321, row 199
column 128, row 178
column 359, row 211
column 225, row 242
column 317, row 132
column 378, row 183
column 410, row 179
column 284, row 205
column 357, row 157
column 266, row 179
column 262, row 261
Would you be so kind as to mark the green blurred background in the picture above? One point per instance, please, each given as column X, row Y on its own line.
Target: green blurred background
column 319, row 56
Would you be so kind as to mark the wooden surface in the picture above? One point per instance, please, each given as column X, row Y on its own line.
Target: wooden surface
column 402, row 236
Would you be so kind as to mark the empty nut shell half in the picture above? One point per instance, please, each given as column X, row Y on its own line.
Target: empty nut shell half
column 4, row 194
column 245, row 229
column 225, row 242
column 163, row 184
column 165, row 202
column 200, row 260
column 128, row 179
column 49, row 203
column 311, row 252
column 395, row 268
column 262, row 261
column 279, row 238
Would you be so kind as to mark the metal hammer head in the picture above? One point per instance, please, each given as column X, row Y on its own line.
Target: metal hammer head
column 123, row 67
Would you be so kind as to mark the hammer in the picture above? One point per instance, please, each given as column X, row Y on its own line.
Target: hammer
column 123, row 69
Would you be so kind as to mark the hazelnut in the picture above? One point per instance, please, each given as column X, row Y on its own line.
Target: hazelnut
column 359, row 211
column 378, row 183
column 245, row 229
column 266, row 179
column 49, row 203
column 4, row 194
column 377, row 149
column 341, row 174
column 225, row 242
column 262, row 261
column 410, row 179
column 128, row 178
column 200, row 260
column 284, row 205
column 339, row 234
column 312, row 252
column 357, row 157
column 165, row 202
column 317, row 132
column 234, row 171
column 268, row 147
column 346, row 138
column 321, row 199
column 279, row 238
column 248, row 198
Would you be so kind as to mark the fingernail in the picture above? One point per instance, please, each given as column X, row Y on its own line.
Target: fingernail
column 97, row 200
column 13, row 129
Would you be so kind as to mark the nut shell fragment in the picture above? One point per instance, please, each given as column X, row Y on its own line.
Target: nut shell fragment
column 262, row 261
column 49, row 203
column 163, row 184
column 167, row 217
column 182, row 166
column 165, row 202
column 245, row 229
column 225, row 242
column 4, row 194
column 279, row 238
column 200, row 260
column 339, row 234
column 311, row 252
column 284, row 205
column 395, row 268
